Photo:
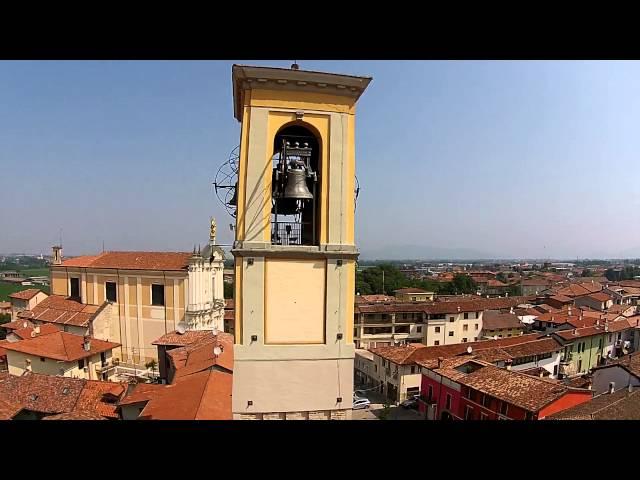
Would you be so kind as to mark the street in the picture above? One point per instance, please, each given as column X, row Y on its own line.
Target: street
column 377, row 408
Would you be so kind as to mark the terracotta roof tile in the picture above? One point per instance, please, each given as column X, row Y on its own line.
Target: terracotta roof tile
column 25, row 294
column 48, row 394
column 199, row 355
column 615, row 326
column 133, row 261
column 492, row 320
column 74, row 416
column 205, row 395
column 9, row 409
column 599, row 297
column 524, row 391
column 23, row 323
column 620, row 405
column 60, row 345
column 25, row 333
column 62, row 310
column 187, row 338
column 409, row 354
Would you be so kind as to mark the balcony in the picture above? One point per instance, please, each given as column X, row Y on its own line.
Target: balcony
column 105, row 367
column 566, row 358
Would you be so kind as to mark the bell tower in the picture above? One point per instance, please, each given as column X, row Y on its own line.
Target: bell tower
column 294, row 248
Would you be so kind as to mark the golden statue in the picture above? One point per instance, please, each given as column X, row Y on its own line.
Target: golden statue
column 212, row 234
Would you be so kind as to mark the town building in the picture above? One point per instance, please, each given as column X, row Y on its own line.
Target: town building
column 393, row 370
column 5, row 308
column 147, row 294
column 501, row 324
column 438, row 323
column 598, row 301
column 618, row 374
column 295, row 246
column 61, row 353
column 413, row 295
column 25, row 300
column 469, row 389
column 588, row 347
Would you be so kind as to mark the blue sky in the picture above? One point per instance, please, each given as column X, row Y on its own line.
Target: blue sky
column 515, row 159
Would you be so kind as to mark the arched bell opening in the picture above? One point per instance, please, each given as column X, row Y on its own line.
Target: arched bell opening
column 295, row 194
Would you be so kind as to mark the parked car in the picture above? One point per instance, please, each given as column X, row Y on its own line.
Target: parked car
column 361, row 403
column 410, row 402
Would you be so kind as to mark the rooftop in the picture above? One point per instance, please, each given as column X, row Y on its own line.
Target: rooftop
column 25, row 294
column 205, row 395
column 159, row 261
column 181, row 339
column 411, row 290
column 492, row 320
column 519, row 389
column 620, row 405
column 61, row 346
column 49, row 394
column 63, row 310
column 615, row 326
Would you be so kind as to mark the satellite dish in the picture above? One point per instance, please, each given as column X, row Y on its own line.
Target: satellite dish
column 495, row 337
column 469, row 349
column 217, row 350
column 181, row 329
column 214, row 330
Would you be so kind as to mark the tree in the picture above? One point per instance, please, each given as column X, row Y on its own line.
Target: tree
column 501, row 277
column 586, row 273
column 4, row 319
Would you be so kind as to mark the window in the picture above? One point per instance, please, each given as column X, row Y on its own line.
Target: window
column 476, row 327
column 75, row 287
column 468, row 413
column 430, row 392
column 437, row 329
column 466, row 315
column 451, row 334
column 486, row 400
column 610, row 337
column 555, row 370
column 157, row 294
column 413, row 370
column 451, row 319
column 448, row 404
column 404, row 316
column 81, row 364
column 42, row 359
column 464, row 340
column 478, row 314
column 419, row 329
column 504, row 408
column 509, row 335
column 436, row 342
column 465, row 328
column 110, row 291
column 375, row 368
column 600, row 344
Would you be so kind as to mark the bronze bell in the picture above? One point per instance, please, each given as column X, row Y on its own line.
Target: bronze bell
column 234, row 199
column 297, row 186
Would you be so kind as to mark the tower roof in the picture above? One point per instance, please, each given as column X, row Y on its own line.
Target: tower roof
column 246, row 76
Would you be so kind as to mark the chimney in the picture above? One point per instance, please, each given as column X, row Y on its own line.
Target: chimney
column 86, row 343
column 541, row 373
column 440, row 360
column 508, row 363
column 575, row 331
column 36, row 329
column 56, row 254
column 612, row 387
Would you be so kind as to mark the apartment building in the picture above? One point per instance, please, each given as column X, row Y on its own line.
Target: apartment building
column 439, row 323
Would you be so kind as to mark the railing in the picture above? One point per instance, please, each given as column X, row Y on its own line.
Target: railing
column 105, row 367
column 286, row 233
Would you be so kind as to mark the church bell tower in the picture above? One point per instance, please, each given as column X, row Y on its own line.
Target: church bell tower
column 294, row 247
